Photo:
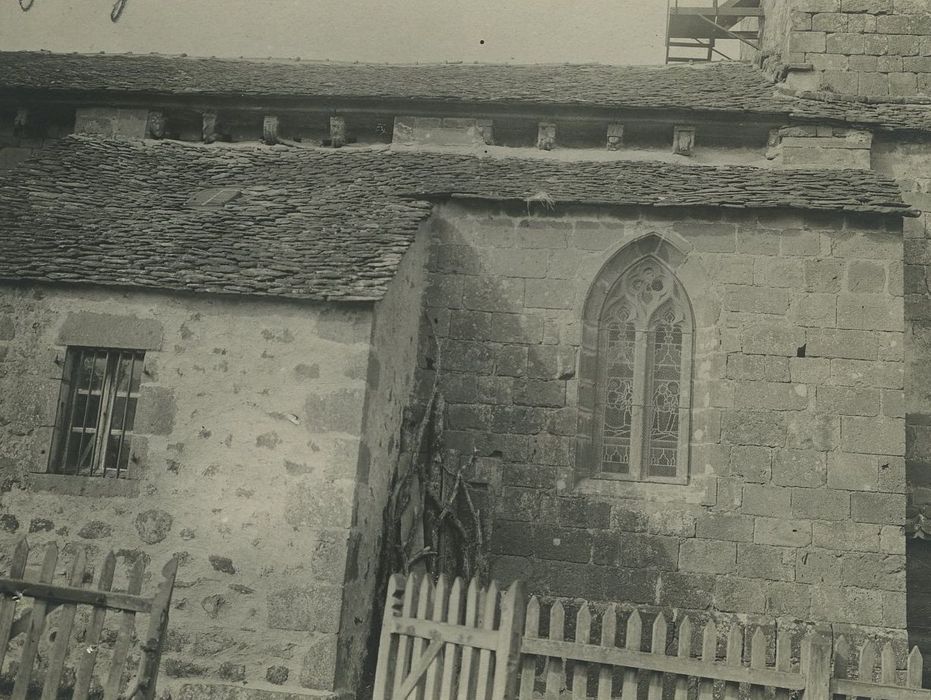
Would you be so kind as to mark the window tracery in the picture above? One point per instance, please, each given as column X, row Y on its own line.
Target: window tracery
column 643, row 376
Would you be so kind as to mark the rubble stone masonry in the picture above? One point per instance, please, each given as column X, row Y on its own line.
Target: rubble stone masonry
column 247, row 443
column 796, row 493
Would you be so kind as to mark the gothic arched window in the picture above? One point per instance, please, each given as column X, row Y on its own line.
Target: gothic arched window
column 641, row 387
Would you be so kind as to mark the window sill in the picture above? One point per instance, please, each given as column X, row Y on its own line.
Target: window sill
column 91, row 486
column 699, row 492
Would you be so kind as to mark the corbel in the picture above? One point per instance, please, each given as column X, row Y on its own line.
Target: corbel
column 615, row 136
column 156, row 125
column 270, row 129
column 546, row 136
column 337, row 131
column 683, row 140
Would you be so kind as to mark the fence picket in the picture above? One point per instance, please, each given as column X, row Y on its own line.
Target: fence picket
column 684, row 651
column 887, row 675
column 913, row 668
column 608, row 632
column 735, row 642
column 56, row 662
column 758, row 645
column 528, row 664
column 709, row 653
column 485, row 659
column 818, row 668
column 555, row 672
column 385, row 665
column 8, row 603
column 36, row 625
column 124, row 636
column 147, row 673
column 419, row 645
column 783, row 660
column 507, row 654
column 867, row 661
column 657, row 646
column 842, row 657
column 632, row 640
column 583, row 635
column 403, row 657
column 468, row 653
column 453, row 616
column 431, row 684
column 85, row 669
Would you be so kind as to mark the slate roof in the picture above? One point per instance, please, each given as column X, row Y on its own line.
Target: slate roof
column 322, row 224
column 731, row 87
column 736, row 88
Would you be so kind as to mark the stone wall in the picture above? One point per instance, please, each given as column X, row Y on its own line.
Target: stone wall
column 796, row 492
column 249, row 426
column 909, row 161
column 875, row 48
column 390, row 383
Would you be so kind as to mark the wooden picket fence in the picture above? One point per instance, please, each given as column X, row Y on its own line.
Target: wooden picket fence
column 492, row 646
column 56, row 641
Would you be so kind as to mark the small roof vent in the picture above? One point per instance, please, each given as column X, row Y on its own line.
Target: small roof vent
column 213, row 198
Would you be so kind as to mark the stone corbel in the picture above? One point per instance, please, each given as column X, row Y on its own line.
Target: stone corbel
column 683, row 140
column 546, row 136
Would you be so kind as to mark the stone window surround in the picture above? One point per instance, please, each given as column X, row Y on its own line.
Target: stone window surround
column 100, row 330
column 672, row 250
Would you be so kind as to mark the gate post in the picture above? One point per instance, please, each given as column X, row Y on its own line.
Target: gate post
column 507, row 655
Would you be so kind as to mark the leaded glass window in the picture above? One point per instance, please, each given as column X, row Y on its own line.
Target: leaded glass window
column 643, row 376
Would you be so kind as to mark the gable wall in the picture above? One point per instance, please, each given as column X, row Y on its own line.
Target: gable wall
column 873, row 48
column 249, row 422
column 797, row 481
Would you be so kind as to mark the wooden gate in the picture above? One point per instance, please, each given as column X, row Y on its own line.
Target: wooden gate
column 59, row 640
column 442, row 645
column 429, row 645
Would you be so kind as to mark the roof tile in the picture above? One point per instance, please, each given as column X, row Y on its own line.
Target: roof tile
column 323, row 224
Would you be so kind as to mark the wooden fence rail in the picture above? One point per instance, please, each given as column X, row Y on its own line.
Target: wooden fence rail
column 59, row 638
column 498, row 647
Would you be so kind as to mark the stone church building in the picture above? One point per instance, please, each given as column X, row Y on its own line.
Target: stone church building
column 679, row 318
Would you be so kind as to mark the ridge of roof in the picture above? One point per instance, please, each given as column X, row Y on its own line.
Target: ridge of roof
column 729, row 88
column 738, row 88
column 321, row 224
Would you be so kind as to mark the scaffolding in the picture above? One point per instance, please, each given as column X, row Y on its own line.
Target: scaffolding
column 692, row 32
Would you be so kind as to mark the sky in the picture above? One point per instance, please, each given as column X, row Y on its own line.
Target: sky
column 621, row 32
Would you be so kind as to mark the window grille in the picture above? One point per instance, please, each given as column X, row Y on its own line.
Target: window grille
column 96, row 411
column 643, row 377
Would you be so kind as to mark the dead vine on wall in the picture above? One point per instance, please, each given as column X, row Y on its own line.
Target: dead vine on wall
column 433, row 521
